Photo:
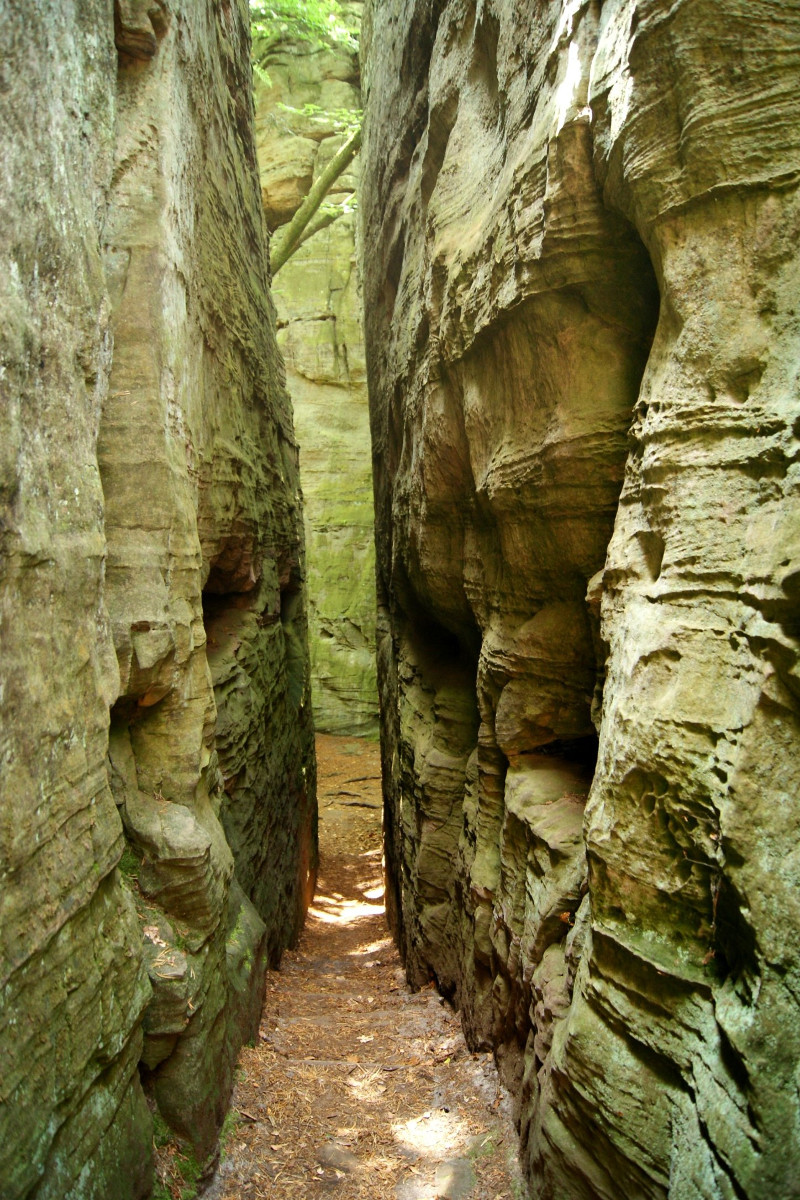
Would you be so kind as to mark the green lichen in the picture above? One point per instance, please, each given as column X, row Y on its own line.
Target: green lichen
column 482, row 1148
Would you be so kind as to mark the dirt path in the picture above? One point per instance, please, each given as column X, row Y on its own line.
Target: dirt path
column 359, row 1088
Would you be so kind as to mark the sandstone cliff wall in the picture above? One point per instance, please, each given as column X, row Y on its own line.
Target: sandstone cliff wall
column 158, row 833
column 299, row 115
column 582, row 345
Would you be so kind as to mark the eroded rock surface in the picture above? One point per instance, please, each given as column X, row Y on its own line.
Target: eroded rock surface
column 299, row 127
column 151, row 579
column 582, row 346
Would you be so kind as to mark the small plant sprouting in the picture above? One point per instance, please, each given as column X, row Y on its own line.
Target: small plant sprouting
column 228, row 1132
column 178, row 1172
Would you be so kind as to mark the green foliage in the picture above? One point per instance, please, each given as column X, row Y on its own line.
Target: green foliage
column 344, row 120
column 313, row 20
column 129, row 863
column 178, row 1174
column 192, row 1173
column 162, row 1134
column 318, row 22
column 336, row 208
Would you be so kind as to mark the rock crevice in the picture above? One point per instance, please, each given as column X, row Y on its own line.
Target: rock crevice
column 305, row 111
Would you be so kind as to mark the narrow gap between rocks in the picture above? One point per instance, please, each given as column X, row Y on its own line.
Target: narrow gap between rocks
column 356, row 1085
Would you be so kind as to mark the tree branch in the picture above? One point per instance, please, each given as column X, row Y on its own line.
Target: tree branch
column 291, row 235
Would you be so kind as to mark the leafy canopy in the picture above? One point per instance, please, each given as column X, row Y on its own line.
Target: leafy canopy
column 315, row 20
column 321, row 22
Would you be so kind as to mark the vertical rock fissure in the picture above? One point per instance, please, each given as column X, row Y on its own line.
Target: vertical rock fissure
column 308, row 108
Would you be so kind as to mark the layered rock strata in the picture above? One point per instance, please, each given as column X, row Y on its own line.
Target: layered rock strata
column 582, row 341
column 301, row 107
column 157, row 791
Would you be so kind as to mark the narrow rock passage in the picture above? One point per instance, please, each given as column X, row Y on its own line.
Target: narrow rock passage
column 359, row 1088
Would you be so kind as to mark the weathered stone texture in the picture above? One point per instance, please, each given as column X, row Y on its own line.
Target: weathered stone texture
column 204, row 577
column 318, row 299
column 149, row 505
column 72, row 978
column 582, row 348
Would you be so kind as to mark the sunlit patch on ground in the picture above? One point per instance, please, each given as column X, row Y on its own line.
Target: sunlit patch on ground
column 385, row 945
column 433, row 1134
column 358, row 1088
column 342, row 912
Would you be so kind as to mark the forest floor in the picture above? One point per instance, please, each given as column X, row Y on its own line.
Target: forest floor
column 358, row 1088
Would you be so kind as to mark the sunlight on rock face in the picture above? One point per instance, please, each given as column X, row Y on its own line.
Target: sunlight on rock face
column 566, row 94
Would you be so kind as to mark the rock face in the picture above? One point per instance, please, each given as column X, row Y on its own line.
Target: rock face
column 582, row 339
column 154, row 701
column 318, row 300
